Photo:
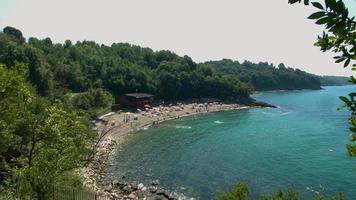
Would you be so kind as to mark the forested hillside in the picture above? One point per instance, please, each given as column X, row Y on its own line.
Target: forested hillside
column 334, row 80
column 264, row 76
column 58, row 69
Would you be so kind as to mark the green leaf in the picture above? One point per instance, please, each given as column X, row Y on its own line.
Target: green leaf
column 353, row 49
column 352, row 94
column 293, row 1
column 353, row 129
column 306, row 2
column 347, row 62
column 327, row 3
column 341, row 107
column 344, row 99
column 340, row 60
column 317, row 15
column 322, row 20
column 318, row 5
column 332, row 4
column 340, row 7
column 352, row 79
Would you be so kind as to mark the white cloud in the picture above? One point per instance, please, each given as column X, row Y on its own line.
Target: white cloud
column 255, row 30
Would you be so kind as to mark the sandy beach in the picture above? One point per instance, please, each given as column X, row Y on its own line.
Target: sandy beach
column 113, row 128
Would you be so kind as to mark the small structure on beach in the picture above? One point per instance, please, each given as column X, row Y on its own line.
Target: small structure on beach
column 134, row 100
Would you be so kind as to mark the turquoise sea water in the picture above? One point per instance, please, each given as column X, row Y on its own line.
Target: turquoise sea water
column 300, row 143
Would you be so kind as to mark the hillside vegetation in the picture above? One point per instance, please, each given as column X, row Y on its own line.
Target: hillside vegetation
column 334, row 80
column 265, row 76
column 57, row 69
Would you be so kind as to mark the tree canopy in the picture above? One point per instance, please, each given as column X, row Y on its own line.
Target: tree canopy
column 40, row 142
column 58, row 69
column 265, row 76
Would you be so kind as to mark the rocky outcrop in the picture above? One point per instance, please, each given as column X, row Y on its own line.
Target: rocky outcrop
column 263, row 104
column 253, row 102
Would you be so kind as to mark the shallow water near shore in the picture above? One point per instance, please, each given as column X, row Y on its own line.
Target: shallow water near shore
column 300, row 143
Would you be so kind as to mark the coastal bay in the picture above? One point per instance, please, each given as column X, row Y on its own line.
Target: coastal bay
column 115, row 128
column 265, row 148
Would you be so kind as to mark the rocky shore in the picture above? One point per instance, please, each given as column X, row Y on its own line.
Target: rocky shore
column 114, row 128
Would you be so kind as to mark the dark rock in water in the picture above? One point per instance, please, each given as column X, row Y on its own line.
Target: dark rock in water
column 252, row 102
column 264, row 104
column 152, row 189
column 155, row 182
column 163, row 193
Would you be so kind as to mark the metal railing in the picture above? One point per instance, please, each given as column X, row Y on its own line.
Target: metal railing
column 64, row 193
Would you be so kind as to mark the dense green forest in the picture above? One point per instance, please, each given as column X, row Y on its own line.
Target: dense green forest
column 334, row 80
column 59, row 69
column 265, row 76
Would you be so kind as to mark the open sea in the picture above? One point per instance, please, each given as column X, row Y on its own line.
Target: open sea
column 301, row 144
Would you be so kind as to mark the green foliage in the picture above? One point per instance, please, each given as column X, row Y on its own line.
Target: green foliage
column 38, row 71
column 340, row 38
column 264, row 76
column 41, row 143
column 238, row 192
column 60, row 69
column 94, row 102
column 93, row 99
column 350, row 103
column 334, row 80
column 15, row 97
column 15, row 33
column 337, row 197
column 290, row 194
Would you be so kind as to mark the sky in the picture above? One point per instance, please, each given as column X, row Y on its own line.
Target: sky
column 254, row 30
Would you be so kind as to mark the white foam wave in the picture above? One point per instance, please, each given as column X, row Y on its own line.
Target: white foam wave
column 183, row 127
column 278, row 113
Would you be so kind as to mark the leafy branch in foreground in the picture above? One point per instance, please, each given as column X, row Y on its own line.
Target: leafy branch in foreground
column 340, row 38
column 41, row 144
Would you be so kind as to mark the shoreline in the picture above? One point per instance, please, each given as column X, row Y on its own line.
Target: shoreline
column 115, row 128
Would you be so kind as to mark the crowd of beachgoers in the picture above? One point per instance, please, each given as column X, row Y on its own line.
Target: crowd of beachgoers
column 113, row 128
